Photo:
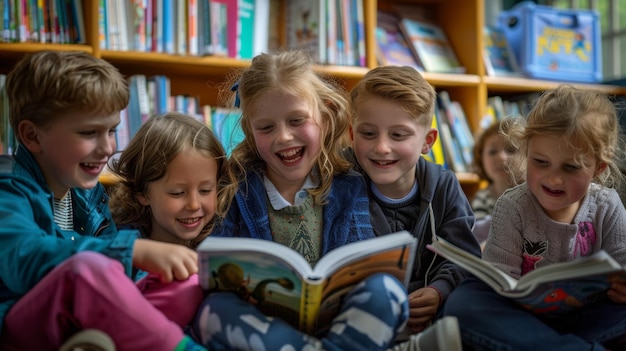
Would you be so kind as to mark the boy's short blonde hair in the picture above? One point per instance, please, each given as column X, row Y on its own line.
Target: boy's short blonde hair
column 48, row 84
column 404, row 85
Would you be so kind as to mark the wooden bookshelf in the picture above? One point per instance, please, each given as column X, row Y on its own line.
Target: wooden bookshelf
column 462, row 21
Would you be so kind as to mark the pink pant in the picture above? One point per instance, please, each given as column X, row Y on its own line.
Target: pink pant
column 90, row 290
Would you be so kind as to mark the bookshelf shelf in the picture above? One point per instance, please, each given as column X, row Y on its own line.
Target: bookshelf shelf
column 461, row 20
column 521, row 85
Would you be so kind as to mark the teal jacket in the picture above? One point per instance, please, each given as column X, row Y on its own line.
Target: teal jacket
column 31, row 244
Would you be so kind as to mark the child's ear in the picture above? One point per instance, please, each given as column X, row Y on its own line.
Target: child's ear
column 27, row 132
column 142, row 199
column 429, row 140
column 601, row 167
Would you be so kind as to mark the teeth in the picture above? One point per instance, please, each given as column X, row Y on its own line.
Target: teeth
column 189, row 220
column 290, row 153
column 384, row 163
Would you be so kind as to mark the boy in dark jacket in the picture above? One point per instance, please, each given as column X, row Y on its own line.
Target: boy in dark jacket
column 391, row 128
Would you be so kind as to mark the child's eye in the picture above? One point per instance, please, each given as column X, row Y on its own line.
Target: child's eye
column 367, row 134
column 206, row 191
column 112, row 130
column 176, row 193
column 399, row 136
column 540, row 162
column 572, row 168
column 88, row 132
column 264, row 129
column 297, row 121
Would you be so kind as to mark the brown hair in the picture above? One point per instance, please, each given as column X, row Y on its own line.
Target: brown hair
column 585, row 117
column 146, row 157
column 479, row 147
column 404, row 85
column 48, row 84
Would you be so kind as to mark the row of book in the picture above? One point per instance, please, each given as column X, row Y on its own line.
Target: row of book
column 42, row 21
column 150, row 96
column 332, row 30
column 233, row 28
column 455, row 143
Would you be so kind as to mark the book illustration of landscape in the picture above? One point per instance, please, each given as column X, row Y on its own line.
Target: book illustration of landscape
column 275, row 279
column 555, row 289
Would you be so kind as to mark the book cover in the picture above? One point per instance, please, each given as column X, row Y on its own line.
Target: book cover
column 498, row 56
column 359, row 30
column 245, row 29
column 281, row 283
column 430, row 43
column 228, row 10
column 392, row 49
column 261, row 36
column 551, row 290
column 303, row 30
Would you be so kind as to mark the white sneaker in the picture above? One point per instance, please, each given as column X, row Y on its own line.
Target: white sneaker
column 444, row 335
column 89, row 340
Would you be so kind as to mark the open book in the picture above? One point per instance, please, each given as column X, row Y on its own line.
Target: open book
column 281, row 283
column 554, row 289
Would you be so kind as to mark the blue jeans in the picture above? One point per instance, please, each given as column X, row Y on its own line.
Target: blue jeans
column 370, row 317
column 489, row 321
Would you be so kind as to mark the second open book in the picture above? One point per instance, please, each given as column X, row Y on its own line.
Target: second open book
column 554, row 289
column 281, row 283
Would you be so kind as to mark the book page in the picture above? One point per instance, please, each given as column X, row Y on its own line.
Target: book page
column 488, row 273
column 397, row 261
column 359, row 250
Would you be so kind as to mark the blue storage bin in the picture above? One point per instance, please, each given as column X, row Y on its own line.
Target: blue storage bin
column 554, row 44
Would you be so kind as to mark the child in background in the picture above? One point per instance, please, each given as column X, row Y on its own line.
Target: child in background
column 391, row 128
column 490, row 163
column 565, row 210
column 64, row 267
column 296, row 188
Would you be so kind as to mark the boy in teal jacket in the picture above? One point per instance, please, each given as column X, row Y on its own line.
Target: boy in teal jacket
column 64, row 268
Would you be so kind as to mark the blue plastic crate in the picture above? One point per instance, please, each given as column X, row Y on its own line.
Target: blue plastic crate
column 554, row 44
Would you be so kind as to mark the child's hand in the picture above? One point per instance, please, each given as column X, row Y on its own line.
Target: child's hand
column 169, row 261
column 423, row 304
column 617, row 293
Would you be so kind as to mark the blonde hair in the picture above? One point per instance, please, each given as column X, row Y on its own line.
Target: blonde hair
column 585, row 117
column 291, row 72
column 48, row 84
column 403, row 85
column 145, row 159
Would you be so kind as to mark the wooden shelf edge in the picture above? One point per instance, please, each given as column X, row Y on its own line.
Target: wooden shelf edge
column 15, row 49
column 516, row 85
